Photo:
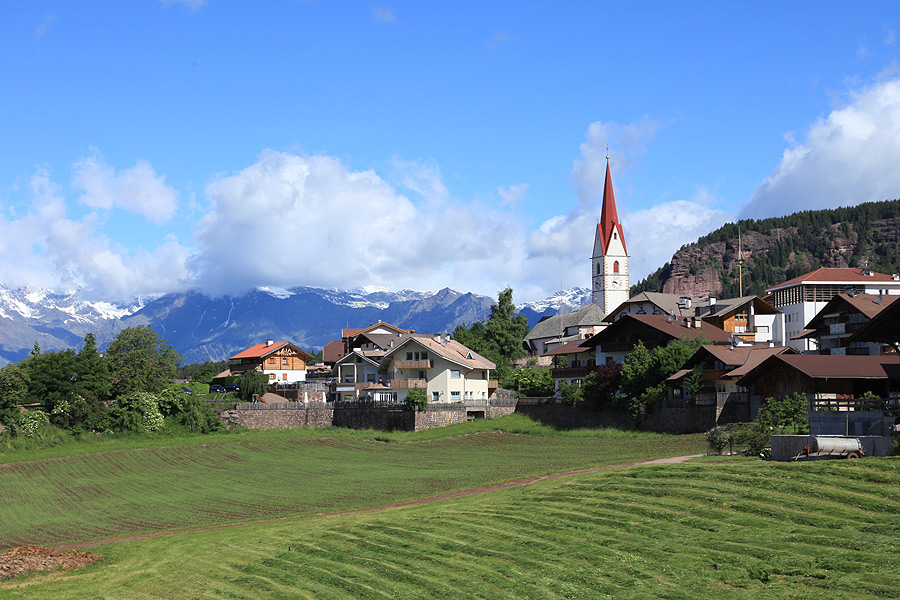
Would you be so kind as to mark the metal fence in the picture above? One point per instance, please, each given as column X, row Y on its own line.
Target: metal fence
column 302, row 385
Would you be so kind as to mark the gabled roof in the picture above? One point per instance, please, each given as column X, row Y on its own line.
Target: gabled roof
column 573, row 347
column 830, row 367
column 346, row 333
column 868, row 305
column 609, row 219
column 676, row 328
column 587, row 316
column 884, row 327
column 737, row 360
column 448, row 349
column 727, row 305
column 666, row 303
column 834, row 275
column 354, row 355
column 264, row 350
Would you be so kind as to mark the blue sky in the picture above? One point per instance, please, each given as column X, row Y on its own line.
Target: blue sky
column 152, row 146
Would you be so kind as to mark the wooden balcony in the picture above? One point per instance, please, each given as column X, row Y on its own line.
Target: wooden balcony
column 413, row 364
column 406, row 384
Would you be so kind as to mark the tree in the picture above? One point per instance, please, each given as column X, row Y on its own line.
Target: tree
column 644, row 373
column 505, row 330
column 140, row 361
column 253, row 383
column 13, row 391
column 601, row 384
column 91, row 372
column 533, row 383
column 51, row 377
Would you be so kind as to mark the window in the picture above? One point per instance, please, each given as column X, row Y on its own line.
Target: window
column 454, row 374
column 598, row 269
column 271, row 361
column 271, row 376
column 616, row 267
column 370, row 377
column 284, row 376
column 409, row 356
column 454, row 397
column 284, row 361
column 424, row 356
column 435, row 396
column 421, row 374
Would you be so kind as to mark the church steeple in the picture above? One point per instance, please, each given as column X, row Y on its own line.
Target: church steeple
column 609, row 218
column 609, row 265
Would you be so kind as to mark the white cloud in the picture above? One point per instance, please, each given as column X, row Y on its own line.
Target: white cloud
column 380, row 14
column 654, row 234
column 626, row 142
column 138, row 189
column 512, row 194
column 41, row 30
column 848, row 157
column 292, row 220
column 54, row 250
column 890, row 36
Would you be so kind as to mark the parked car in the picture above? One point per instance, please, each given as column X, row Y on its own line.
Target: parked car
column 187, row 390
column 232, row 387
column 216, row 388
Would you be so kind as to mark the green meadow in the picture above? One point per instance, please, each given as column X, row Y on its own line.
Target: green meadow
column 741, row 529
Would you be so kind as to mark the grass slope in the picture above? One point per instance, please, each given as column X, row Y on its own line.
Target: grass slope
column 127, row 489
column 720, row 530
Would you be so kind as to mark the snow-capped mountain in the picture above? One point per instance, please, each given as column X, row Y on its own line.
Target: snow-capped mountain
column 202, row 328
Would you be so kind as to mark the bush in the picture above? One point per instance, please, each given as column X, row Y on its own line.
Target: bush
column 754, row 436
column 138, row 411
column 31, row 424
column 415, row 400
column 570, row 393
column 718, row 438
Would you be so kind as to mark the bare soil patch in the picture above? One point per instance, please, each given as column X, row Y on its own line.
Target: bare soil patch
column 26, row 559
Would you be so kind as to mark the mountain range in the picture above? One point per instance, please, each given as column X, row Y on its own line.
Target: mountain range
column 202, row 328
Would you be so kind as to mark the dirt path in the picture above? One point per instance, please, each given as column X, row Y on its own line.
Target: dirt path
column 403, row 503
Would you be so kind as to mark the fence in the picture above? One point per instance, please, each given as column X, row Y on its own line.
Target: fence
column 302, row 385
column 278, row 405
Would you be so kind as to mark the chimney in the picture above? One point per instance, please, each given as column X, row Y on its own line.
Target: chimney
column 896, row 276
column 269, row 342
column 712, row 301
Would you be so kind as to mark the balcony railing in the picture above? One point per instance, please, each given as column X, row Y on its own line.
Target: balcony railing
column 414, row 364
column 406, row 384
column 570, row 372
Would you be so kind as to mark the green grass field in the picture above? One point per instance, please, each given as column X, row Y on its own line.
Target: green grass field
column 746, row 529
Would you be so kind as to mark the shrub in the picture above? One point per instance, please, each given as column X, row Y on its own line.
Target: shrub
column 31, row 424
column 718, row 438
column 138, row 411
column 570, row 393
column 415, row 399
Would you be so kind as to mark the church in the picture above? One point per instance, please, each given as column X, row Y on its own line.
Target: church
column 609, row 264
column 609, row 285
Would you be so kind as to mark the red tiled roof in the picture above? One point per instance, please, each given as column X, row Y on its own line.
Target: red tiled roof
column 833, row 275
column 259, row 350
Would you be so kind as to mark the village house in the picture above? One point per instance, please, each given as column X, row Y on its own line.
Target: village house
column 616, row 342
column 571, row 363
column 283, row 362
column 802, row 298
column 444, row 369
column 552, row 332
column 845, row 314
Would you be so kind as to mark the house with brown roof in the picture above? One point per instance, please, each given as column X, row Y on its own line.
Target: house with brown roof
column 442, row 367
column 283, row 362
column 824, row 377
column 801, row 298
column 378, row 337
column 883, row 328
column 842, row 316
column 749, row 318
column 617, row 341
column 557, row 330
column 571, row 363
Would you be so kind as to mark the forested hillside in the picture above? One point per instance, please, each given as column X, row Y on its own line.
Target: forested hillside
column 778, row 249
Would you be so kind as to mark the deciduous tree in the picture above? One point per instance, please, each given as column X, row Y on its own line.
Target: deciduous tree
column 140, row 361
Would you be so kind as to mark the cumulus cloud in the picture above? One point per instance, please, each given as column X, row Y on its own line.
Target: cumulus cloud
column 52, row 249
column 658, row 232
column 308, row 220
column 138, row 189
column 848, row 157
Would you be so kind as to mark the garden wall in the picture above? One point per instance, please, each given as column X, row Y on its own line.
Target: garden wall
column 282, row 418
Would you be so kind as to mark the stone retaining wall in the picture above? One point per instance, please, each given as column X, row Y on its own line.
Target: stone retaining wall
column 302, row 416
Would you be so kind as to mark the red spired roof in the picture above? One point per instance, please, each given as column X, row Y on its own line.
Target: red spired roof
column 834, row 275
column 609, row 219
